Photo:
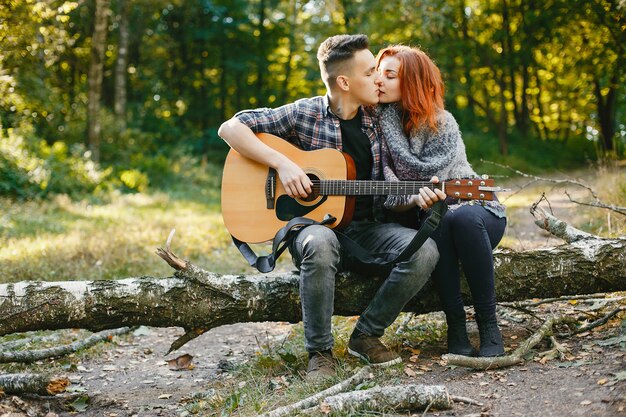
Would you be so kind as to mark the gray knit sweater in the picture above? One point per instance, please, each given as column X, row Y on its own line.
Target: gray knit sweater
column 424, row 154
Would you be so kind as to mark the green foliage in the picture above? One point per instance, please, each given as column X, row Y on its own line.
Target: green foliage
column 529, row 154
column 31, row 168
column 550, row 75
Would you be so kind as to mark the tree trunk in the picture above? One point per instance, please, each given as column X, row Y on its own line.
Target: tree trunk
column 98, row 43
column 503, row 123
column 120, row 67
column 198, row 300
column 291, row 38
column 607, row 110
column 262, row 58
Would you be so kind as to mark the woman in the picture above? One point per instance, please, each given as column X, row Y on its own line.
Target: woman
column 423, row 140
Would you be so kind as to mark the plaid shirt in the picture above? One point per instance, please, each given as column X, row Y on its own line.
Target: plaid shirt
column 310, row 124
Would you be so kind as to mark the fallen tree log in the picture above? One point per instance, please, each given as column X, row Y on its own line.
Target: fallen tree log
column 32, row 384
column 194, row 298
column 199, row 300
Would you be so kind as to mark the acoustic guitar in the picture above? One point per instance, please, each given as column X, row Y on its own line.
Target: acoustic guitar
column 255, row 205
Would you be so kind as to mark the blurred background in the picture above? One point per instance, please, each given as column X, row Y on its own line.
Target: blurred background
column 116, row 103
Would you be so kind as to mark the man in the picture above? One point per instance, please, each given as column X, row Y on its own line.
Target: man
column 339, row 120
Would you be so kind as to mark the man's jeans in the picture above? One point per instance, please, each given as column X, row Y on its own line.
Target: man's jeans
column 318, row 254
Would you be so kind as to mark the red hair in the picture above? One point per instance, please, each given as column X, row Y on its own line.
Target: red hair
column 421, row 85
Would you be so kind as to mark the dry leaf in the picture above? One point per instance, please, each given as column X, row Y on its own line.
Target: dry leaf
column 414, row 351
column 413, row 358
column 586, row 402
column 181, row 363
column 325, row 408
column 410, row 372
column 602, row 381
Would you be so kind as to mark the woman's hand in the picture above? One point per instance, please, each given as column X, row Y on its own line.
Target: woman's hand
column 427, row 197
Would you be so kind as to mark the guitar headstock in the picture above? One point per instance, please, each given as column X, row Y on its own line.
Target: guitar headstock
column 471, row 188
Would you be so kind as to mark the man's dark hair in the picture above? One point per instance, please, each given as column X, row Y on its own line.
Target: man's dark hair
column 335, row 51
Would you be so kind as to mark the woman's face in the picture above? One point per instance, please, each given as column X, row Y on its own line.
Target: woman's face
column 389, row 90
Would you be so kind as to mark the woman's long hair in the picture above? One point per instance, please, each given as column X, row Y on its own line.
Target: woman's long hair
column 421, row 86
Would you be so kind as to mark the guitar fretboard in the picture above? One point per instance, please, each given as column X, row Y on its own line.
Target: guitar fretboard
column 363, row 187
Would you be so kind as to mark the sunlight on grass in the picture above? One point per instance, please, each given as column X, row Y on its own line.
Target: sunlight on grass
column 61, row 239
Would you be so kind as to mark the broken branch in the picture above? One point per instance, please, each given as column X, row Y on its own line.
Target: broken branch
column 32, row 384
column 28, row 356
column 514, row 358
column 315, row 399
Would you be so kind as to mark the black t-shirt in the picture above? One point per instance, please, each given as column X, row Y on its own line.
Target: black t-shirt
column 358, row 146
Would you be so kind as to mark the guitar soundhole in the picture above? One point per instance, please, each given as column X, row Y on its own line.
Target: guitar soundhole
column 315, row 193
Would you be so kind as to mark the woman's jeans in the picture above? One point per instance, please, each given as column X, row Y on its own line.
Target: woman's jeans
column 318, row 255
column 468, row 234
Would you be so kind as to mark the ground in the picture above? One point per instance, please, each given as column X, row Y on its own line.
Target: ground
column 131, row 376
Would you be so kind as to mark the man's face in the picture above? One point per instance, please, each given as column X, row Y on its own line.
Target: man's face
column 363, row 78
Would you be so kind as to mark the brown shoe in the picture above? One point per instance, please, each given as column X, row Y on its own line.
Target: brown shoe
column 371, row 349
column 321, row 366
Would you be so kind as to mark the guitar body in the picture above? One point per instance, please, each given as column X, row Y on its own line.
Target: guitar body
column 246, row 189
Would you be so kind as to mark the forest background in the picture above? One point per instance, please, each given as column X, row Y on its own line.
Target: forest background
column 109, row 109
column 99, row 94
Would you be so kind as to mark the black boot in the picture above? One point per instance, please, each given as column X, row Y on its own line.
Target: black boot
column 490, row 338
column 458, row 342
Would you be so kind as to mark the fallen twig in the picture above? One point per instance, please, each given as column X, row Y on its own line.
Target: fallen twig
column 596, row 323
column 313, row 400
column 515, row 357
column 28, row 356
column 12, row 344
column 528, row 303
column 465, row 400
column 599, row 204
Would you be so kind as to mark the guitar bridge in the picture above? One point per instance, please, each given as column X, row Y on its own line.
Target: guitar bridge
column 270, row 189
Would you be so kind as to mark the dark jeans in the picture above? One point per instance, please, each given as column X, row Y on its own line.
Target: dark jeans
column 468, row 234
column 318, row 255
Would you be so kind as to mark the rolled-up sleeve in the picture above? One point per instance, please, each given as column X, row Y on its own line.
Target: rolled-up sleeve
column 280, row 121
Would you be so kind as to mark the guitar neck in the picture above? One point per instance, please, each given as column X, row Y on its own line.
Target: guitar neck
column 364, row 187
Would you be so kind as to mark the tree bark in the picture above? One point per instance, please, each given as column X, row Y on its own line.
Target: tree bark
column 398, row 397
column 98, row 43
column 199, row 300
column 120, row 67
column 32, row 384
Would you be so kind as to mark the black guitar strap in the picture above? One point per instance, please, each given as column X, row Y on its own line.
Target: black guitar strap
column 362, row 260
